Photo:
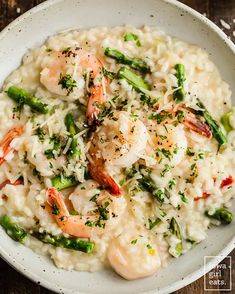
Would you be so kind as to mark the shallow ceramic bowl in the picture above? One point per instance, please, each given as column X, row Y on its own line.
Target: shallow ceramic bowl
column 176, row 19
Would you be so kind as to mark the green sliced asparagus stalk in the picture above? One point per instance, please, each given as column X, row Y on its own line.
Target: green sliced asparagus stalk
column 221, row 214
column 22, row 97
column 62, row 182
column 135, row 63
column 147, row 184
column 13, row 230
column 175, row 230
column 69, row 243
column 132, row 37
column 179, row 94
column 216, row 130
column 133, row 79
column 74, row 151
column 225, row 120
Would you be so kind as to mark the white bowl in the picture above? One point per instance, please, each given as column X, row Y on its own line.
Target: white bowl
column 176, row 19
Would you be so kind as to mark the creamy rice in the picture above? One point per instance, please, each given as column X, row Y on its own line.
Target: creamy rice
column 25, row 203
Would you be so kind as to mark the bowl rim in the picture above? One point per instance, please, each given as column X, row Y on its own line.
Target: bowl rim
column 190, row 277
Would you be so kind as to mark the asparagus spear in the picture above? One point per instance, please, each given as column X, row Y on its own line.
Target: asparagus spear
column 175, row 230
column 147, row 184
column 19, row 235
column 62, row 182
column 135, row 63
column 12, row 229
column 69, row 243
column 216, row 130
column 133, row 79
column 72, row 129
column 179, row 94
column 225, row 121
column 22, row 97
column 222, row 215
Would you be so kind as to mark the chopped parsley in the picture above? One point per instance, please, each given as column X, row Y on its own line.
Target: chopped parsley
column 160, row 116
column 189, row 152
column 109, row 74
column 41, row 134
column 25, row 158
column 154, row 223
column 133, row 242
column 55, row 209
column 201, row 155
column 194, row 170
column 74, row 212
column 94, row 198
column 166, row 169
column 103, row 211
column 166, row 153
column 67, row 82
column 148, row 100
column 171, row 184
column 104, row 111
column 90, row 223
column 159, row 194
column 50, row 153
column 180, row 115
column 183, row 197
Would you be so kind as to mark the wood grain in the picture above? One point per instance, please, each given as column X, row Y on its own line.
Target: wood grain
column 11, row 282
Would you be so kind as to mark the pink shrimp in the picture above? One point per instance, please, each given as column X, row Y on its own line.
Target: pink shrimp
column 69, row 224
column 94, row 217
column 8, row 138
column 63, row 72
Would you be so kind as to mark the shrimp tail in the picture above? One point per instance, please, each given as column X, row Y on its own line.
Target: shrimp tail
column 5, row 144
column 55, row 201
column 198, row 126
column 98, row 173
column 193, row 123
column 7, row 182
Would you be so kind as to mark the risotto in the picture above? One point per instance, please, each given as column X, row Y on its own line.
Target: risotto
column 116, row 149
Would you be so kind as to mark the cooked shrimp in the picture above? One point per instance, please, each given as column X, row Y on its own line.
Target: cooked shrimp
column 63, row 72
column 168, row 137
column 134, row 255
column 118, row 143
column 69, row 224
column 5, row 145
column 96, row 214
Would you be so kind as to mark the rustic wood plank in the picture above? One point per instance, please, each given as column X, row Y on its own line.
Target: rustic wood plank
column 11, row 282
column 201, row 6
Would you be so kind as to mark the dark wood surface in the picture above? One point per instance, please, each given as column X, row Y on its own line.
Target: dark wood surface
column 11, row 282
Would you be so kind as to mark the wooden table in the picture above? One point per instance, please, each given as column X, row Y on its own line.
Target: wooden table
column 11, row 282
